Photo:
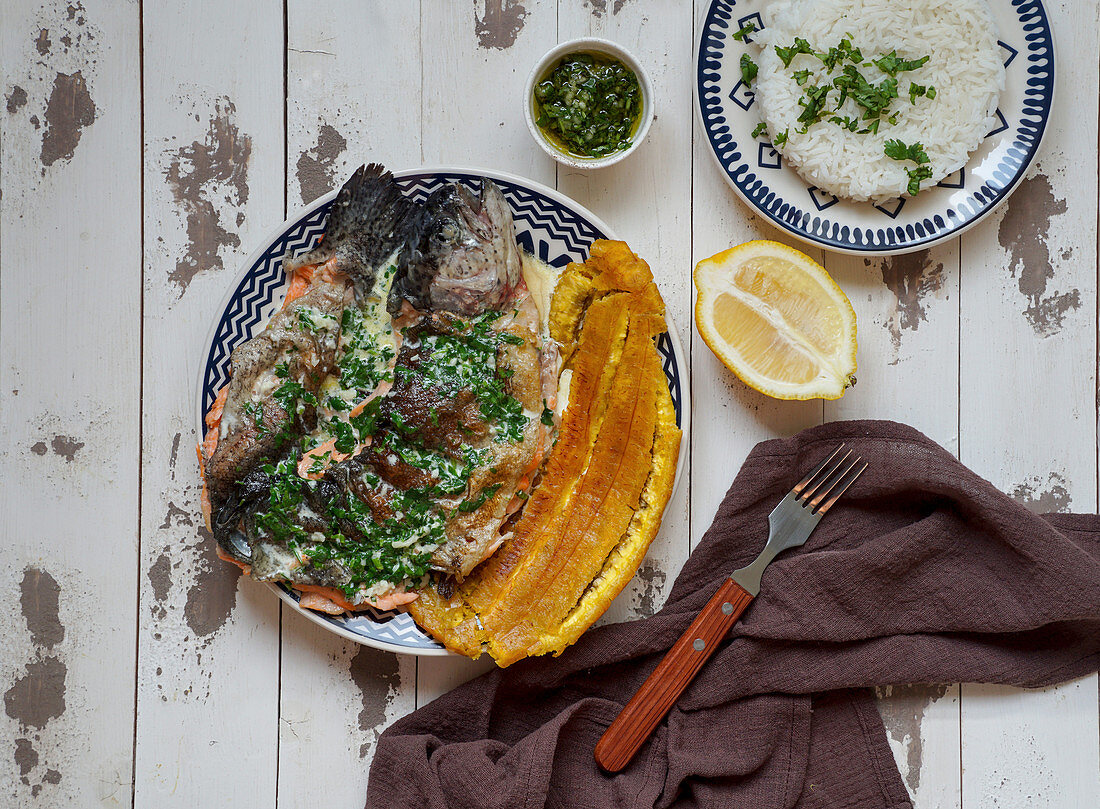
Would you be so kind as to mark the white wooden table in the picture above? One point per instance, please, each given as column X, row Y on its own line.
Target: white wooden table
column 146, row 149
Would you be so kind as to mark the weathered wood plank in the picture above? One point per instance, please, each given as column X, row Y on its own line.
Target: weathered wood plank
column 336, row 700
column 343, row 110
column 208, row 641
column 907, row 313
column 729, row 417
column 907, row 316
column 922, row 727
column 1028, row 416
column 70, row 318
column 476, row 57
column 353, row 92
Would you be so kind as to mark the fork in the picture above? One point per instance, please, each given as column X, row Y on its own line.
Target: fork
column 790, row 524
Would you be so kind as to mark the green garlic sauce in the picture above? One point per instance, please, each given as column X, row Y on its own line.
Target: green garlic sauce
column 588, row 105
column 378, row 555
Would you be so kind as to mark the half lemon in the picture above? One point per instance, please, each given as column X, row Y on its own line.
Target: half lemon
column 775, row 318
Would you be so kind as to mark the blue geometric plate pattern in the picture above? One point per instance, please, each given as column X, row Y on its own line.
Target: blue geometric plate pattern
column 548, row 224
column 728, row 115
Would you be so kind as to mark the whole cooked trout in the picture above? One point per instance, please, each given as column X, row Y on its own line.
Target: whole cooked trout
column 422, row 407
column 272, row 395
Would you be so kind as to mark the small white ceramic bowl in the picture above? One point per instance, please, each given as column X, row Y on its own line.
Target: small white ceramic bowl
column 587, row 45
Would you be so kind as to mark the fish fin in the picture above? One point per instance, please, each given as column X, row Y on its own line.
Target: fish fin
column 368, row 222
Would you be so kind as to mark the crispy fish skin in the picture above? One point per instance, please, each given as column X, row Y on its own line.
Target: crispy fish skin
column 589, row 523
column 368, row 223
column 473, row 536
column 444, row 422
column 254, row 422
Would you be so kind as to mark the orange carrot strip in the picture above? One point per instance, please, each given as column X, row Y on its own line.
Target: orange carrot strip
column 214, row 417
column 315, row 454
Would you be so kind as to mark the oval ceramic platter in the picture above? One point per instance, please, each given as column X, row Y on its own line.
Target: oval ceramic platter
column 548, row 225
column 757, row 172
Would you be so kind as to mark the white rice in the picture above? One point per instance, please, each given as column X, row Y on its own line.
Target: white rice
column 965, row 67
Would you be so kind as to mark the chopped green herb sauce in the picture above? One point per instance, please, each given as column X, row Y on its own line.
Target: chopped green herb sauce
column 255, row 411
column 547, row 415
column 589, row 104
column 366, row 547
column 467, row 362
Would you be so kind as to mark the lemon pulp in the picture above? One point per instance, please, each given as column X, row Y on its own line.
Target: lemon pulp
column 775, row 318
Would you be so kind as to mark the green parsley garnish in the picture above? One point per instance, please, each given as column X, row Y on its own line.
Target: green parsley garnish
column 305, row 318
column 479, row 501
column 255, row 411
column 788, row 54
column 290, row 394
column 843, row 51
column 897, row 150
column 891, row 65
column 749, row 28
column 847, row 122
column 915, row 177
column 918, row 90
column 813, row 106
column 320, row 462
column 780, row 138
column 748, row 69
column 761, row 128
column 874, row 99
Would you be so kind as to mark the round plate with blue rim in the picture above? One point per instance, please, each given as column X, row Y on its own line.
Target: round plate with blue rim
column 548, row 225
column 757, row 172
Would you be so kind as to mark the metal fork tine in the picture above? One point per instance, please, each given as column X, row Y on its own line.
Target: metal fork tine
column 813, row 499
column 827, row 475
column 802, row 483
column 796, row 491
column 847, row 480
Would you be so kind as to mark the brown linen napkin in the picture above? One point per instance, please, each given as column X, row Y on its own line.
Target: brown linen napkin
column 923, row 572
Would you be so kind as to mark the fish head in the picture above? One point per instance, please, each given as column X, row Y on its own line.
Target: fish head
column 464, row 257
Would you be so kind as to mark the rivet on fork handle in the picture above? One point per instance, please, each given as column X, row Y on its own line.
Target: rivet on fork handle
column 663, row 687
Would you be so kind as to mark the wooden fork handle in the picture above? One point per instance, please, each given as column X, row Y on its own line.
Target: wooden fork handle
column 663, row 687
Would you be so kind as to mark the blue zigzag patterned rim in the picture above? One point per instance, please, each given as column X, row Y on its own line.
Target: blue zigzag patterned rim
column 548, row 225
column 753, row 168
